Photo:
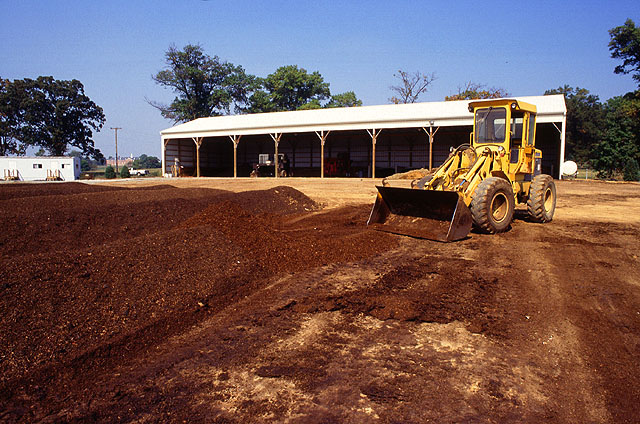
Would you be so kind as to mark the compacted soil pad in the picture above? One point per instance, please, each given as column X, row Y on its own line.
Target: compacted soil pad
column 198, row 304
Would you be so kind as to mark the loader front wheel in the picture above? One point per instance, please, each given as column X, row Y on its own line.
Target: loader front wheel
column 542, row 198
column 493, row 205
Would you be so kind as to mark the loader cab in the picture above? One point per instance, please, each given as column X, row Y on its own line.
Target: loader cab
column 507, row 124
column 490, row 125
column 501, row 120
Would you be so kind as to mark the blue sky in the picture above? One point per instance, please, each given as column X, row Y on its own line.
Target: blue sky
column 114, row 47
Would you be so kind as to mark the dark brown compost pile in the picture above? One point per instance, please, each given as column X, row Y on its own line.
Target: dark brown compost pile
column 90, row 274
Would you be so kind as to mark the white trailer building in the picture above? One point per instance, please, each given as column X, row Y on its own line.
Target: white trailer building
column 25, row 168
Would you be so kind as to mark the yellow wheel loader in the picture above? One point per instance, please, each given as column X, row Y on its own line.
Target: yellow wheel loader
column 479, row 184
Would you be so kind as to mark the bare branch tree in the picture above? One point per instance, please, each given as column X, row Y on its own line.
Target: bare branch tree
column 472, row 91
column 411, row 86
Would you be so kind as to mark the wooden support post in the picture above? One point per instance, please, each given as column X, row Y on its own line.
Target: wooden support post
column 323, row 138
column 431, row 133
column 276, row 139
column 164, row 156
column 235, row 139
column 198, row 141
column 374, row 137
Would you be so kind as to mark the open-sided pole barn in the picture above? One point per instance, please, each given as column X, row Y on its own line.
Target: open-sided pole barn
column 367, row 141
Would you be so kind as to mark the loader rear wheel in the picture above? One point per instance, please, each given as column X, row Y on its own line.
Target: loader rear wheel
column 542, row 198
column 493, row 205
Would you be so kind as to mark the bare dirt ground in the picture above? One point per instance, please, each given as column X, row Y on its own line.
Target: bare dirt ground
column 244, row 300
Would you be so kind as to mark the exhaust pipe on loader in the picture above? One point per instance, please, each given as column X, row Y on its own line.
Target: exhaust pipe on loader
column 428, row 214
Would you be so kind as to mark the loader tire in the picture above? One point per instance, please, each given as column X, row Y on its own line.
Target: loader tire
column 493, row 205
column 542, row 198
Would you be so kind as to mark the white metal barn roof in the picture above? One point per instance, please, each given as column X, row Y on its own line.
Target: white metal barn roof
column 550, row 109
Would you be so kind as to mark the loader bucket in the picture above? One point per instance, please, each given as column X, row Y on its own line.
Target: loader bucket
column 428, row 214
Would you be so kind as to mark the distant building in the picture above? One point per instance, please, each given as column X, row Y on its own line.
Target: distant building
column 39, row 168
column 121, row 162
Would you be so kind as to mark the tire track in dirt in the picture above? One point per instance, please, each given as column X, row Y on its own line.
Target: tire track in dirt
column 270, row 358
column 600, row 312
column 552, row 342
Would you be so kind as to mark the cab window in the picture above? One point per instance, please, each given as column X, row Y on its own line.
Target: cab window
column 532, row 128
column 517, row 118
column 491, row 125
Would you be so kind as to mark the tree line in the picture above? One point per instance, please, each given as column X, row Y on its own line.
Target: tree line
column 208, row 86
column 606, row 135
column 56, row 115
column 603, row 136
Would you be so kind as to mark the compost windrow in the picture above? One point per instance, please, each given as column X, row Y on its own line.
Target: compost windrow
column 90, row 275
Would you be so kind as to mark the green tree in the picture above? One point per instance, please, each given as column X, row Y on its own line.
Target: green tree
column 625, row 45
column 290, row 87
column 293, row 88
column 618, row 151
column 10, row 119
column 621, row 139
column 54, row 115
column 260, row 102
column 347, row 99
column 109, row 172
column 313, row 104
column 205, row 86
column 124, row 172
column 585, row 121
column 152, row 162
column 473, row 91
column 145, row 161
column 631, row 170
column 411, row 86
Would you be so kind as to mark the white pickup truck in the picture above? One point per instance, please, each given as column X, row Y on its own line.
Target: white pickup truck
column 139, row 172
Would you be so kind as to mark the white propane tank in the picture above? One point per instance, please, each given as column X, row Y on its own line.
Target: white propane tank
column 569, row 168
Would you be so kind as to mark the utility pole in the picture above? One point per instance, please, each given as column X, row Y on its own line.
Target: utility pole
column 116, row 130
